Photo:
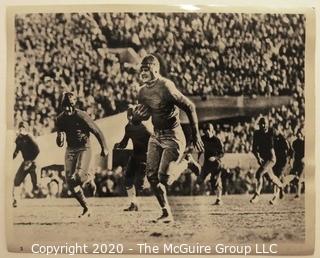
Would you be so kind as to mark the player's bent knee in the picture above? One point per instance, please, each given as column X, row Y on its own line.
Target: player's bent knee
column 163, row 179
column 129, row 184
column 153, row 179
column 154, row 184
column 33, row 166
column 259, row 175
column 199, row 180
column 72, row 182
column 219, row 186
column 82, row 175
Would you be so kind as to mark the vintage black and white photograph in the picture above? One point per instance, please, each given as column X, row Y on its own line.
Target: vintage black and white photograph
column 159, row 127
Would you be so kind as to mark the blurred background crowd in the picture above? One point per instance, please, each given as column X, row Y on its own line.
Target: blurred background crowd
column 110, row 183
column 238, row 137
column 205, row 54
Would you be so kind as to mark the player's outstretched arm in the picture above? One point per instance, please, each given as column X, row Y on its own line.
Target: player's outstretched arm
column 187, row 106
column 255, row 149
column 123, row 143
column 220, row 150
column 95, row 130
column 16, row 151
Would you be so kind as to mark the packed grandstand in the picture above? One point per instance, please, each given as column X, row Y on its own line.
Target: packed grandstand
column 206, row 54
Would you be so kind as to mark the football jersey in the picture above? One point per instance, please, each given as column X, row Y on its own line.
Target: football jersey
column 160, row 97
column 212, row 147
column 298, row 148
column 77, row 128
column 28, row 147
column 281, row 148
column 263, row 143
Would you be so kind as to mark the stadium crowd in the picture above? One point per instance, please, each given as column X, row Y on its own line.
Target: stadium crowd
column 206, row 54
column 238, row 138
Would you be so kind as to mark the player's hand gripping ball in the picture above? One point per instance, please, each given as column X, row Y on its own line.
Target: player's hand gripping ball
column 141, row 112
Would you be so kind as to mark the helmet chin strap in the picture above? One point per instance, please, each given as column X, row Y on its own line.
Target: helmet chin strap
column 153, row 80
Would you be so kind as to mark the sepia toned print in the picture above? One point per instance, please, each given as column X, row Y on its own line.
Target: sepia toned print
column 183, row 131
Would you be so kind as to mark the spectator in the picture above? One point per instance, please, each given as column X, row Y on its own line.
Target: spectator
column 220, row 54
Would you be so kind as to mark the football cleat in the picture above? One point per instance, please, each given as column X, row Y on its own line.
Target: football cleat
column 273, row 201
column 166, row 216
column 85, row 213
column 132, row 207
column 218, row 202
column 297, row 197
column 255, row 198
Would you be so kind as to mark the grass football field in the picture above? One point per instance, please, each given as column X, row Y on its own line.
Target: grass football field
column 54, row 221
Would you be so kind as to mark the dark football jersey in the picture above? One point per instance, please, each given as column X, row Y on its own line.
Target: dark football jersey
column 212, row 147
column 139, row 134
column 28, row 147
column 161, row 97
column 281, row 148
column 298, row 148
column 263, row 143
column 77, row 128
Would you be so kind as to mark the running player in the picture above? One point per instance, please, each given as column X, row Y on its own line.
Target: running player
column 29, row 150
column 263, row 150
column 161, row 99
column 298, row 161
column 281, row 149
column 77, row 126
column 135, row 172
column 213, row 152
